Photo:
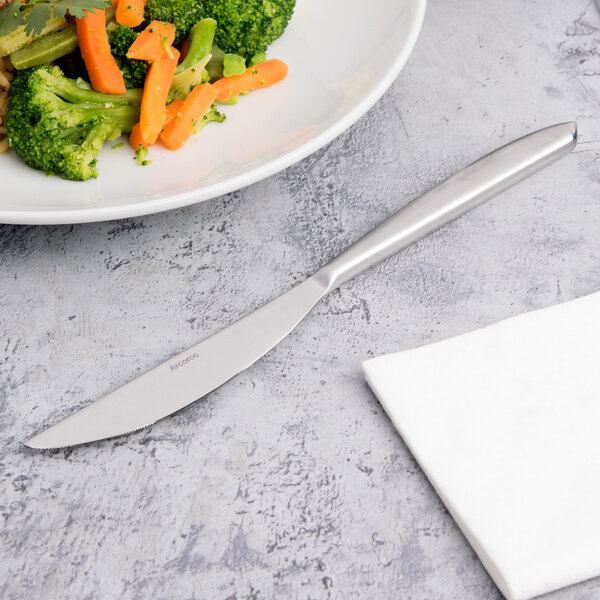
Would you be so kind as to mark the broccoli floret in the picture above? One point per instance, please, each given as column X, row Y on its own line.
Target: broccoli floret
column 257, row 59
column 213, row 115
column 184, row 14
column 58, row 125
column 246, row 27
column 141, row 156
column 120, row 39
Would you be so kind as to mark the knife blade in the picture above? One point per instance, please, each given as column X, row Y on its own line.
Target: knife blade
column 192, row 374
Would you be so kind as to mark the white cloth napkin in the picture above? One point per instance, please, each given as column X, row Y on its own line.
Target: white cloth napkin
column 505, row 422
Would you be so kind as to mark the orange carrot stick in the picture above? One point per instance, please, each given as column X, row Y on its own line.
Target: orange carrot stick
column 136, row 140
column 101, row 66
column 171, row 111
column 262, row 75
column 195, row 106
column 130, row 12
column 150, row 44
column 154, row 98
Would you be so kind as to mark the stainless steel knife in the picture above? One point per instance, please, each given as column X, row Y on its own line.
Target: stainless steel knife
column 188, row 376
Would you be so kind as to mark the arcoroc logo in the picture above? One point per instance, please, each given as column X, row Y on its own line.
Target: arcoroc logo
column 185, row 361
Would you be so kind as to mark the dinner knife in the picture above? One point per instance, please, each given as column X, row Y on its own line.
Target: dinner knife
column 192, row 374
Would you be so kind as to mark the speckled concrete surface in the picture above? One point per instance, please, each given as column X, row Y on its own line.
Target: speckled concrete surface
column 289, row 481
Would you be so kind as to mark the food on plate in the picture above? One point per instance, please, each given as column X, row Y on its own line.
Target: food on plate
column 156, row 91
column 261, row 75
column 77, row 73
column 184, row 14
column 131, row 13
column 120, row 39
column 105, row 76
column 197, row 103
column 247, row 27
column 59, row 125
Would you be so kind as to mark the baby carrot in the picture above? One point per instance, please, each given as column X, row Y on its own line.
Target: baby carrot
column 195, row 106
column 135, row 138
column 130, row 12
column 262, row 75
column 172, row 110
column 101, row 66
column 151, row 43
column 154, row 98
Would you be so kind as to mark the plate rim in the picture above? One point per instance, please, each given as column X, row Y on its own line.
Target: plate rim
column 189, row 197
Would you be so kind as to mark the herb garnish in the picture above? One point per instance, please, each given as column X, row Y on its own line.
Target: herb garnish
column 35, row 14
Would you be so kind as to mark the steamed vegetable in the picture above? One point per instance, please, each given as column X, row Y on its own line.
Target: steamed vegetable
column 154, row 98
column 105, row 76
column 57, row 125
column 191, row 71
column 53, row 45
column 189, row 116
column 152, row 42
column 120, row 39
column 14, row 39
column 130, row 12
column 258, row 76
column 184, row 14
column 215, row 64
column 22, row 21
column 183, row 83
column 246, row 27
column 136, row 140
column 201, row 39
column 46, row 49
column 257, row 59
column 233, row 65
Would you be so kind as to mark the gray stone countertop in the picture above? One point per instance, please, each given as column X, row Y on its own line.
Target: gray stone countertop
column 289, row 481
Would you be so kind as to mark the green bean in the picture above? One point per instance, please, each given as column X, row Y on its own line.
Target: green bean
column 46, row 49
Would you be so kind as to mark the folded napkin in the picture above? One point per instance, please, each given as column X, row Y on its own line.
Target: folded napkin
column 505, row 422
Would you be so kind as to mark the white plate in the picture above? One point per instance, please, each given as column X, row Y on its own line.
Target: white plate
column 341, row 59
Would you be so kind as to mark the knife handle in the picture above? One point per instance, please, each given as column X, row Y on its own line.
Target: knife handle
column 465, row 190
